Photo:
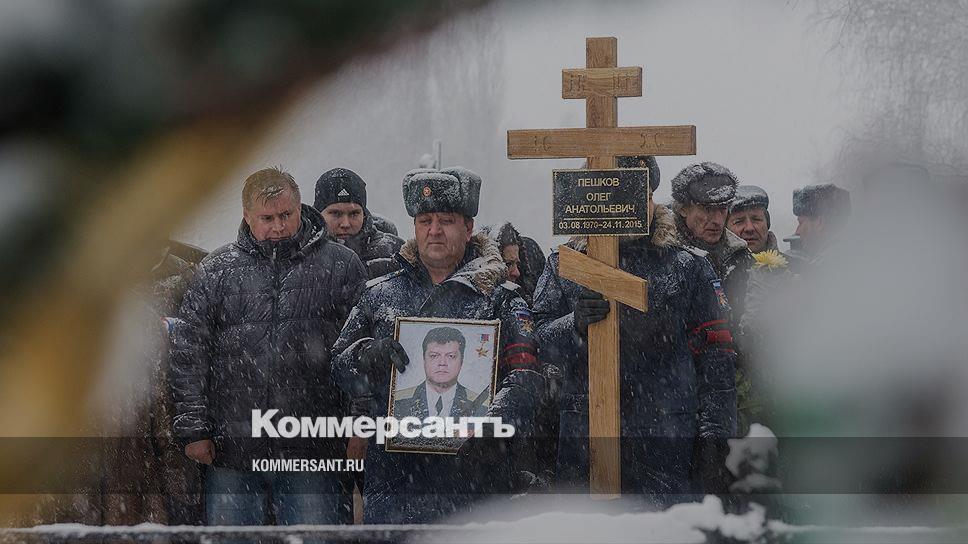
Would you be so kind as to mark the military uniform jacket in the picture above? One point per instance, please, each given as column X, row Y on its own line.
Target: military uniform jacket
column 676, row 364
column 416, row 488
column 413, row 403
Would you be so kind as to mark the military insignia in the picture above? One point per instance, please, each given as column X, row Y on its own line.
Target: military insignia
column 482, row 350
column 525, row 320
column 426, row 191
column 720, row 294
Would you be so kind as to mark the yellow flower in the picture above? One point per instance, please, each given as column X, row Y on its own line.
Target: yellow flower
column 770, row 259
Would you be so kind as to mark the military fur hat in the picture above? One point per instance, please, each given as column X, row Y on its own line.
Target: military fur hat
column 452, row 189
column 825, row 200
column 706, row 183
column 640, row 161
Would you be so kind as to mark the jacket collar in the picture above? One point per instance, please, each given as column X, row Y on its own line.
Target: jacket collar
column 360, row 241
column 482, row 268
column 360, row 238
column 728, row 245
column 311, row 231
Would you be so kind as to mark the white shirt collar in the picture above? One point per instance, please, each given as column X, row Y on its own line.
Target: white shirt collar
column 448, row 397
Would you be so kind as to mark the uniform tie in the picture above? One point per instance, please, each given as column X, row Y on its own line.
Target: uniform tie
column 440, row 405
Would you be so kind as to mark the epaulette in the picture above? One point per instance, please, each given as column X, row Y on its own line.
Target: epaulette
column 407, row 393
column 696, row 251
column 383, row 278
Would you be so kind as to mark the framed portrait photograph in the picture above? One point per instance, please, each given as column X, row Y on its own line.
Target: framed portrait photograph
column 452, row 373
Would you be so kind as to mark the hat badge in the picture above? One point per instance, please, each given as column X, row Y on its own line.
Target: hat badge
column 343, row 192
column 426, row 191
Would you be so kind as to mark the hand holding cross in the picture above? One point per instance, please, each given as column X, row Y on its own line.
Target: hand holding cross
column 600, row 83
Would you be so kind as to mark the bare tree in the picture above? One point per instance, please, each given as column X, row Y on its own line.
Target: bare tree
column 907, row 63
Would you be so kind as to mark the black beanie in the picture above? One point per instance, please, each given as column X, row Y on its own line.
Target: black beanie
column 339, row 185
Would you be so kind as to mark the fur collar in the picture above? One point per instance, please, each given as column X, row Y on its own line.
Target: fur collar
column 734, row 244
column 663, row 232
column 483, row 268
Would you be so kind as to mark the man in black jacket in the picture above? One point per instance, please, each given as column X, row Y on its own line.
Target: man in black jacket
column 257, row 321
column 341, row 200
column 445, row 272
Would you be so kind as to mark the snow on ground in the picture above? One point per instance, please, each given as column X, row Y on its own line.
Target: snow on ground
column 683, row 523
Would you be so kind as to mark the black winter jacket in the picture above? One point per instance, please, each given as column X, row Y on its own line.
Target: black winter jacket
column 375, row 248
column 257, row 323
column 677, row 367
column 421, row 488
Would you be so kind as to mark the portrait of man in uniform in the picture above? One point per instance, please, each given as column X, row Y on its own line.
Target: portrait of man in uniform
column 455, row 377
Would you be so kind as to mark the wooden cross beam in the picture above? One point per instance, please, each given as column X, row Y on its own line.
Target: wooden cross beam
column 600, row 83
column 559, row 143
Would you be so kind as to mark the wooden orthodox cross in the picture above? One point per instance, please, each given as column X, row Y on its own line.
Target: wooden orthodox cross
column 600, row 83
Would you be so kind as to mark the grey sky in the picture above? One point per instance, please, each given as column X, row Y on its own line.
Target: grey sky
column 754, row 77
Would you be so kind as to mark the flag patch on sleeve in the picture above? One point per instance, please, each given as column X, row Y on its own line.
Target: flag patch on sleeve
column 720, row 294
column 525, row 319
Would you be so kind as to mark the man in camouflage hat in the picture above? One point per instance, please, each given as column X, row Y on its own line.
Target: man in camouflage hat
column 749, row 218
column 445, row 272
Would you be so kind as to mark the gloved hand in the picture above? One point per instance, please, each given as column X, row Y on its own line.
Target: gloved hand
column 590, row 308
column 377, row 357
column 518, row 400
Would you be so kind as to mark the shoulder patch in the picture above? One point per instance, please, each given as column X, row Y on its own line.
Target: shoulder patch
column 696, row 251
column 381, row 279
column 720, row 294
column 405, row 394
column 525, row 319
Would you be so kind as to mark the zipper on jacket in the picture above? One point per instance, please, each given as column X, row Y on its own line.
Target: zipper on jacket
column 273, row 352
column 275, row 299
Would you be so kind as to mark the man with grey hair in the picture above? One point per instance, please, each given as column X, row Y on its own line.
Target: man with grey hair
column 702, row 194
column 256, row 325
